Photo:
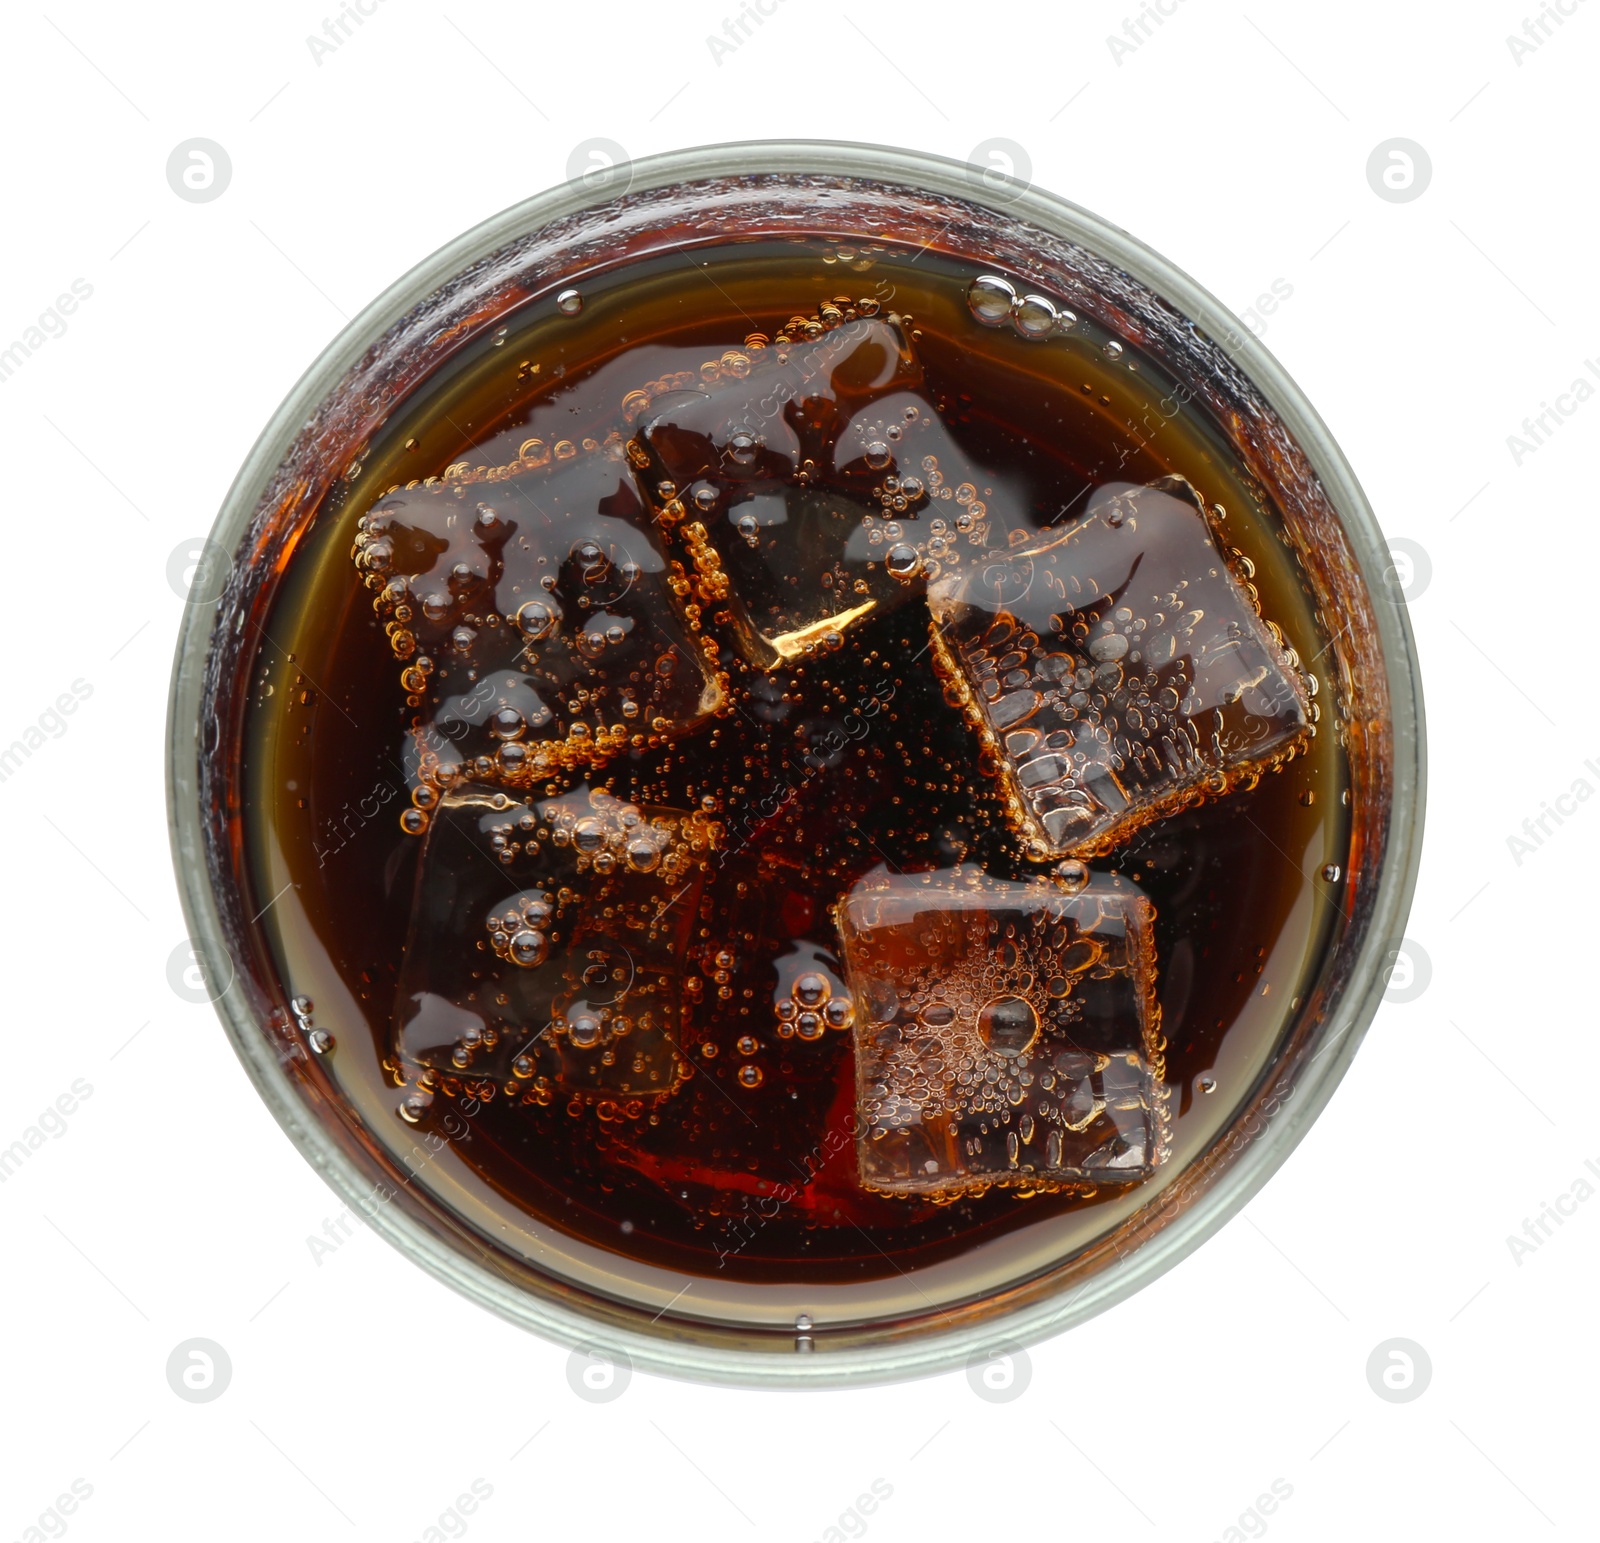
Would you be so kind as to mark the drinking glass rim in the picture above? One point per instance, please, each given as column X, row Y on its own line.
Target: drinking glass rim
column 1340, row 1032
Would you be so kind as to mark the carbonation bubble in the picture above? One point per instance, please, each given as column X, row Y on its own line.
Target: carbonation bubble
column 811, row 990
column 583, row 1029
column 1008, row 1025
column 644, row 854
column 507, row 723
column 528, row 948
column 990, row 299
column 592, row 559
column 904, row 562
column 537, row 620
column 1033, row 316
column 569, row 302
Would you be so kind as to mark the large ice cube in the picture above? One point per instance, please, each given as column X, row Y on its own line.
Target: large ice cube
column 809, row 482
column 533, row 607
column 1006, row 1033
column 547, row 941
column 1118, row 669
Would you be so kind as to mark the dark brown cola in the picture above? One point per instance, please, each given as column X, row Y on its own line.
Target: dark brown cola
column 807, row 768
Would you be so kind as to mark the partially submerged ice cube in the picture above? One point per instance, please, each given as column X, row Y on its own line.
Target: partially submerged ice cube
column 533, row 608
column 1006, row 1033
column 809, row 482
column 1119, row 669
column 546, row 945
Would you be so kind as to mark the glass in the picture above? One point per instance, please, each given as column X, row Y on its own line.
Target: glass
column 762, row 190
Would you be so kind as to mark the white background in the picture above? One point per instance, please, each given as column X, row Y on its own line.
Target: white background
column 364, row 1398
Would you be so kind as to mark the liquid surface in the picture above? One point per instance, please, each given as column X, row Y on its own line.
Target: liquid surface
column 803, row 765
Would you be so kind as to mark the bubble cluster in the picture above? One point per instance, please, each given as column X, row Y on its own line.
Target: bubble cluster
column 814, row 1004
column 318, row 1040
column 995, row 302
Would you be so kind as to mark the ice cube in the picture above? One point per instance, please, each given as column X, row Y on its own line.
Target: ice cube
column 1119, row 669
column 810, row 482
column 1006, row 1033
column 533, row 608
column 546, row 944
